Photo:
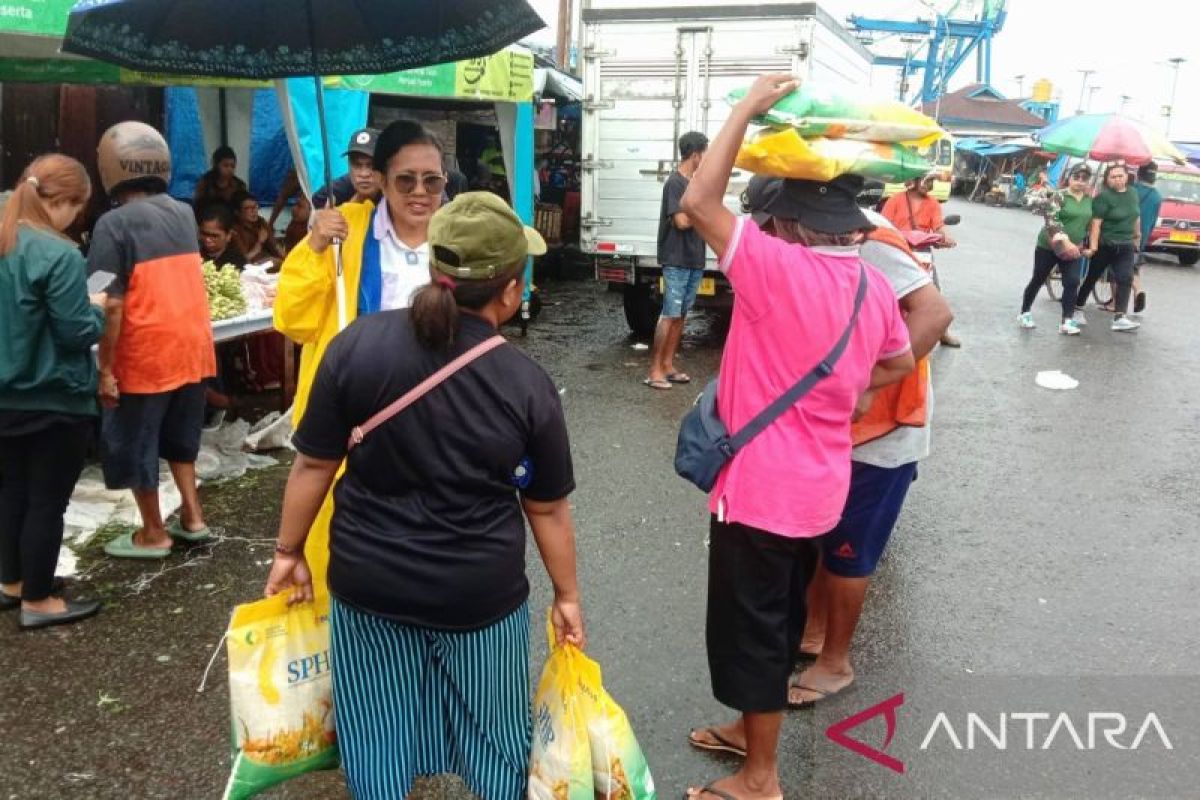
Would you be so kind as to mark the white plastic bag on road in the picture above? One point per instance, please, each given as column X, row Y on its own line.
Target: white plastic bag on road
column 1056, row 379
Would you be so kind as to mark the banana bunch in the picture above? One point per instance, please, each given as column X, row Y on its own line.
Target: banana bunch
column 224, row 287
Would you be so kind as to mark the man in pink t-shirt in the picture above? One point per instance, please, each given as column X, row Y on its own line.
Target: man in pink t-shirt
column 793, row 297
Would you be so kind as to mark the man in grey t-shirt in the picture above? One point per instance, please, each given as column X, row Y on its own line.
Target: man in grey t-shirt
column 882, row 471
column 681, row 254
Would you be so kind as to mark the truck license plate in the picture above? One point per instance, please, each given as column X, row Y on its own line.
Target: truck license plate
column 708, row 287
column 1181, row 236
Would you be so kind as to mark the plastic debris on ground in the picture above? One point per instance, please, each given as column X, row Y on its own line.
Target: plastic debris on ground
column 221, row 457
column 1056, row 379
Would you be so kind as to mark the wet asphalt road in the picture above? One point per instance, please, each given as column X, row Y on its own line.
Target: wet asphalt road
column 1051, row 536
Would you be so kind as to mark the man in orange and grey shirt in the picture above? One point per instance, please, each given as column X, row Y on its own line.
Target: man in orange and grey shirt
column 158, row 345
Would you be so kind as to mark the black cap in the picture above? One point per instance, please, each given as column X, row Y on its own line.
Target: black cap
column 363, row 142
column 823, row 206
column 759, row 193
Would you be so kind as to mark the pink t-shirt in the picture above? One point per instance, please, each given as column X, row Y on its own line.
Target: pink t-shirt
column 791, row 304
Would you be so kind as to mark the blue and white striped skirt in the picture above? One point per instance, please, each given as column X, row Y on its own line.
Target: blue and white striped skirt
column 414, row 701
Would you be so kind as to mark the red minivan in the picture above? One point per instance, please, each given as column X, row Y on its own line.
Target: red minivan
column 1177, row 229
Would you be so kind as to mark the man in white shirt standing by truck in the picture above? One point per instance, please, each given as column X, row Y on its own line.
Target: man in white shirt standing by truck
column 681, row 253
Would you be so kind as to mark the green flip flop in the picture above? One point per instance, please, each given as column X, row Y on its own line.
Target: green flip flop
column 124, row 547
column 176, row 531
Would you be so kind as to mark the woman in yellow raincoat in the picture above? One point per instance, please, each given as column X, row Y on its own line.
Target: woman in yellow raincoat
column 385, row 258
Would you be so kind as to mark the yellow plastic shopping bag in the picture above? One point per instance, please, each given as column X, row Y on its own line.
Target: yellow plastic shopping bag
column 560, row 764
column 619, row 769
column 583, row 745
column 280, row 693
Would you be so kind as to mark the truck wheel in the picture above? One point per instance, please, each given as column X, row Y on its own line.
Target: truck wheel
column 1189, row 258
column 642, row 307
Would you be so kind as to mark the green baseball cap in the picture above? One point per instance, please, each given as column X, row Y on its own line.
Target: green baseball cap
column 477, row 236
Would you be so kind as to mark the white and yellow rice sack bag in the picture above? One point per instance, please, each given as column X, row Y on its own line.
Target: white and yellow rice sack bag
column 583, row 745
column 560, row 763
column 280, row 693
column 619, row 769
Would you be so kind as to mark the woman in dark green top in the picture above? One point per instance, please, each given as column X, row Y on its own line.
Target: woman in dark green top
column 47, row 384
column 1115, row 235
column 1073, row 214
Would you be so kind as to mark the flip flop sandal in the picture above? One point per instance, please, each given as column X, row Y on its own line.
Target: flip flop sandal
column 824, row 695
column 662, row 386
column 124, row 547
column 176, row 531
column 722, row 745
column 679, row 377
column 709, row 790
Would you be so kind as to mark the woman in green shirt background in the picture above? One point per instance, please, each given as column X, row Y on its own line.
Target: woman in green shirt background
column 47, row 384
column 1115, row 236
column 1073, row 216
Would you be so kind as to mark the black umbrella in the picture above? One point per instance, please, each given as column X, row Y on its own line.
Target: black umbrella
column 266, row 39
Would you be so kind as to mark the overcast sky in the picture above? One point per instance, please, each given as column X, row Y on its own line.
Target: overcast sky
column 1054, row 39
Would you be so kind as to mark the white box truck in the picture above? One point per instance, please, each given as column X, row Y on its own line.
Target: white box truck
column 653, row 71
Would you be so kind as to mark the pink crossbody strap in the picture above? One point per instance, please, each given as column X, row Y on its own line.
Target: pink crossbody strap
column 423, row 388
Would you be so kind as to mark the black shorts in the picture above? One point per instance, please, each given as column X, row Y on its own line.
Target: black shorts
column 756, row 609
column 146, row 427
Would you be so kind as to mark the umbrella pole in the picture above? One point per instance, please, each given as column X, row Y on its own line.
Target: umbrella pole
column 319, row 88
column 339, row 270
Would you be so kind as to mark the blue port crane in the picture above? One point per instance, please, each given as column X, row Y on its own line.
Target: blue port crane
column 947, row 42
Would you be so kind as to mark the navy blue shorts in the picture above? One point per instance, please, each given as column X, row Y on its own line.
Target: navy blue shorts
column 146, row 427
column 854, row 547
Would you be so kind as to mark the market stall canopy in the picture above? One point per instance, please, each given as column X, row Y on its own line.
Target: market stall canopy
column 1191, row 150
column 32, row 28
column 554, row 83
column 506, row 77
column 987, row 148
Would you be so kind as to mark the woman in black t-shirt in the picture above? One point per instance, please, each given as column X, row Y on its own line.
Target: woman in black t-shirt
column 430, row 613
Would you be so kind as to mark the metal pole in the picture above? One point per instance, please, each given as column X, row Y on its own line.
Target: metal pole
column 1083, row 89
column 1020, row 79
column 1175, row 62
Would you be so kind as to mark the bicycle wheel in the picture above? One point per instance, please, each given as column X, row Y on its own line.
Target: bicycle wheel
column 1054, row 284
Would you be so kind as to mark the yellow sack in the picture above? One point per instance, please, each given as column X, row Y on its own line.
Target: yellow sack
column 783, row 153
column 560, row 764
column 583, row 745
column 619, row 769
column 280, row 693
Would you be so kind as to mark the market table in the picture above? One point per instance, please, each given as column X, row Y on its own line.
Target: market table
column 256, row 322
column 244, row 325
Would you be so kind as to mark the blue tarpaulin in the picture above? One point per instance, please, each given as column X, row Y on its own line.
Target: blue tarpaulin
column 1191, row 150
column 982, row 147
column 254, row 128
column 345, row 113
